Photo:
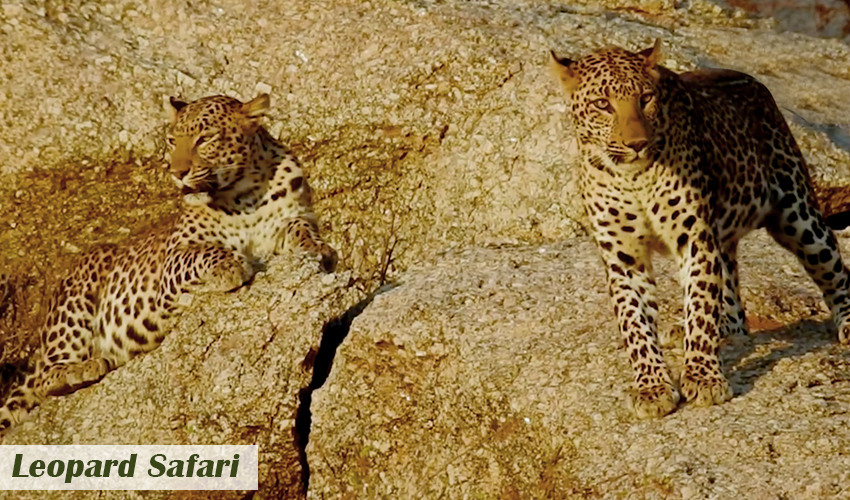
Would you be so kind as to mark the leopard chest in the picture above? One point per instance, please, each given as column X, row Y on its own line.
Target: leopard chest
column 642, row 206
column 254, row 235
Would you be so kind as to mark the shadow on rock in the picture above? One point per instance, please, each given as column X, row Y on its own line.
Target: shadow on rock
column 749, row 357
column 839, row 134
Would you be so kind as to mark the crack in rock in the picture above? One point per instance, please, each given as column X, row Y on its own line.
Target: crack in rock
column 333, row 334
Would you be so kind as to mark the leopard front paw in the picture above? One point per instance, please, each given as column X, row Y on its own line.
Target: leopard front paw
column 653, row 401
column 704, row 387
column 229, row 275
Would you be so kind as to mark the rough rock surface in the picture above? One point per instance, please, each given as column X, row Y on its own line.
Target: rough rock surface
column 499, row 373
column 827, row 18
column 431, row 125
column 230, row 372
column 424, row 124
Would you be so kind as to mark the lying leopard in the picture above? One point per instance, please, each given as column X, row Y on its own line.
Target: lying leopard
column 246, row 199
column 688, row 164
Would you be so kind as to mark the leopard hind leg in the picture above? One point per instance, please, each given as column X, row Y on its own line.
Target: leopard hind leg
column 65, row 378
column 799, row 226
column 62, row 363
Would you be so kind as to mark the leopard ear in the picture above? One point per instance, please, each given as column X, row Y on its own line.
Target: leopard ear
column 563, row 69
column 257, row 106
column 652, row 54
column 174, row 107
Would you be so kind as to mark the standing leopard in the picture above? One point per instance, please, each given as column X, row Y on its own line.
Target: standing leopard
column 688, row 164
column 245, row 200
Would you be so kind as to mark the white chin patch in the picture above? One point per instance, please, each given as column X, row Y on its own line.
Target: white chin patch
column 197, row 198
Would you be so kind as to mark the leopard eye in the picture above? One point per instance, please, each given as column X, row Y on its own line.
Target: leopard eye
column 200, row 141
column 207, row 137
column 647, row 98
column 602, row 104
column 170, row 141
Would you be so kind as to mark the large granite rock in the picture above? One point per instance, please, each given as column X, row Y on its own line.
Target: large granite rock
column 423, row 124
column 499, row 373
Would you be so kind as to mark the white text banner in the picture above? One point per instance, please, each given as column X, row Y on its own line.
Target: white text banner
column 153, row 467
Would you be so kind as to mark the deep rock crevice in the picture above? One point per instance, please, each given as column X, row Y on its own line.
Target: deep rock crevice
column 334, row 333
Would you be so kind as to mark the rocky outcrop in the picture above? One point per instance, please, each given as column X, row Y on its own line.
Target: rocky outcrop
column 427, row 127
column 499, row 373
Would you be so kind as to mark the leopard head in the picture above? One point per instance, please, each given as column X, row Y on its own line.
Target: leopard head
column 614, row 101
column 211, row 140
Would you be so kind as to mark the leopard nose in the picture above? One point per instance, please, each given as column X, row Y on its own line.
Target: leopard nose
column 637, row 144
column 180, row 168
